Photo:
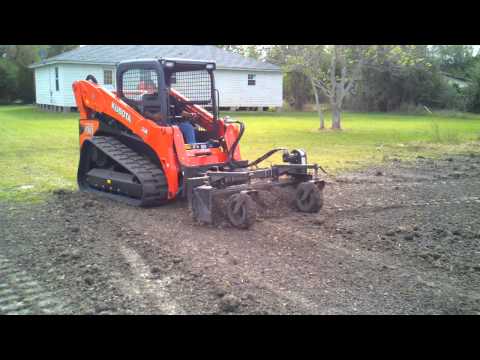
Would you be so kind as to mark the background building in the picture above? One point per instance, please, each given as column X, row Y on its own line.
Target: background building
column 242, row 82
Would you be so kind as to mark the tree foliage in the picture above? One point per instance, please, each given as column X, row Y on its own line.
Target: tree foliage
column 453, row 59
column 332, row 69
column 16, row 79
column 251, row 51
column 472, row 93
column 394, row 75
column 8, row 80
column 297, row 89
column 400, row 77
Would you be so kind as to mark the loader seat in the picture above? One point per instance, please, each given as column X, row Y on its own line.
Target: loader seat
column 150, row 107
column 150, row 104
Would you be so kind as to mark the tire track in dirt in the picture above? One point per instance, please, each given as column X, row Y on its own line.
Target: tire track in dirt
column 142, row 284
column 280, row 280
column 291, row 265
column 293, row 297
column 206, row 249
column 302, row 230
column 161, row 262
column 20, row 294
column 432, row 202
column 375, row 258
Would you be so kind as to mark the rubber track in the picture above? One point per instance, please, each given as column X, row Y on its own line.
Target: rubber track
column 154, row 184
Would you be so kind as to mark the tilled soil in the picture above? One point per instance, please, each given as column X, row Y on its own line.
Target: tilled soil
column 396, row 239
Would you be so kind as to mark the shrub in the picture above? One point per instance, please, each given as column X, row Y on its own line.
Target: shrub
column 409, row 108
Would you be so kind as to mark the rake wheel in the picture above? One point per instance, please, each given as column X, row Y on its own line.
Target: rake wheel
column 308, row 198
column 241, row 210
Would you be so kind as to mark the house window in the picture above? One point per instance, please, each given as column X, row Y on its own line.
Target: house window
column 107, row 77
column 57, row 83
column 251, row 80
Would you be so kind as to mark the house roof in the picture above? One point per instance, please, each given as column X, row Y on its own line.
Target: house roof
column 112, row 54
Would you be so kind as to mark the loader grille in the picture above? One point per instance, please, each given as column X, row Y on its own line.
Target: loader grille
column 138, row 82
column 194, row 85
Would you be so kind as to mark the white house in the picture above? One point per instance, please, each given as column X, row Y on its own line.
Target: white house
column 241, row 82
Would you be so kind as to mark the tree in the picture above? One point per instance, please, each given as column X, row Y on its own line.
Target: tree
column 297, row 88
column 292, row 59
column 238, row 49
column 251, row 51
column 341, row 79
column 472, row 93
column 17, row 77
column 453, row 59
column 339, row 71
column 8, row 80
column 16, row 60
column 254, row 51
column 394, row 76
column 329, row 70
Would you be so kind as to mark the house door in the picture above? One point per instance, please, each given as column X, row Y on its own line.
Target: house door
column 54, row 84
column 50, row 84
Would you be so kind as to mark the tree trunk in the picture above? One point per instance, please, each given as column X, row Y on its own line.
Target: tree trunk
column 336, row 117
column 319, row 109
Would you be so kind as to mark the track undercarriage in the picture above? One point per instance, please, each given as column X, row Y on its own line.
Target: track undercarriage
column 113, row 170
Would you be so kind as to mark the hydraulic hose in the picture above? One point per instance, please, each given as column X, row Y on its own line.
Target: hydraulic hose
column 233, row 163
column 265, row 156
column 230, row 160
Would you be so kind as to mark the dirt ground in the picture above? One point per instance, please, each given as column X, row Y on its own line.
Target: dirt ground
column 396, row 239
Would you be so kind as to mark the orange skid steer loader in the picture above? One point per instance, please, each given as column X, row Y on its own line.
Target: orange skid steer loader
column 159, row 136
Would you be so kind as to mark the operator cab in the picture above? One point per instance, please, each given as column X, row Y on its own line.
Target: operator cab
column 168, row 91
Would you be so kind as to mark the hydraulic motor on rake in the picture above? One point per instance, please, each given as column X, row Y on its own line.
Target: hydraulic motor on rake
column 159, row 137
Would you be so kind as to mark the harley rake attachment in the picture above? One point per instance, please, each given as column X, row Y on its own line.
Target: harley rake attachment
column 236, row 193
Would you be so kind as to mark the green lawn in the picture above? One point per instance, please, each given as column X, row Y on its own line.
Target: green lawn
column 39, row 150
column 366, row 137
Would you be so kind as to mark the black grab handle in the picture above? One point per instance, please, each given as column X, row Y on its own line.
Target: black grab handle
column 92, row 79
